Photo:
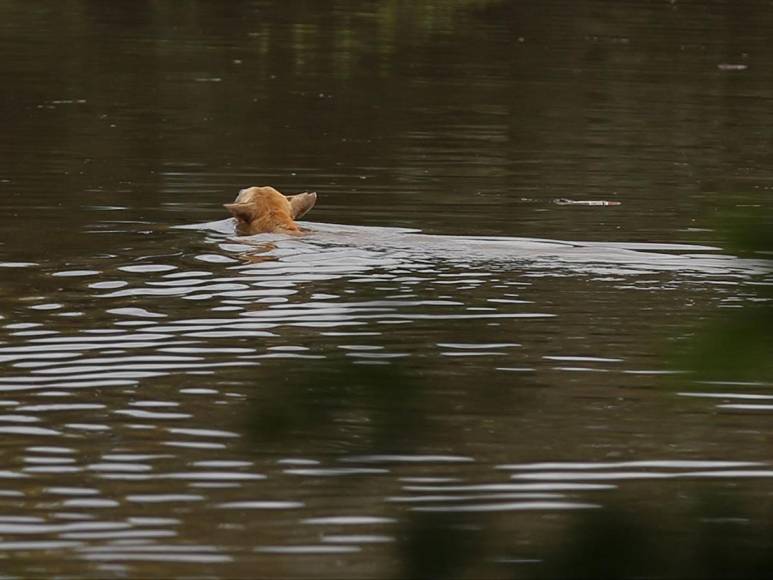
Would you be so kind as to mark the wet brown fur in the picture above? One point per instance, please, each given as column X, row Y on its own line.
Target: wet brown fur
column 263, row 210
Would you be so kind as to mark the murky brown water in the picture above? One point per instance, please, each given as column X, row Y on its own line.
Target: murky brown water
column 138, row 358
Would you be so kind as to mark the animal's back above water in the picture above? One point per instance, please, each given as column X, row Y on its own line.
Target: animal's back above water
column 264, row 210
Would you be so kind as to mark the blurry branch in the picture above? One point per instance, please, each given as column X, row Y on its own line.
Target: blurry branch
column 749, row 232
column 737, row 344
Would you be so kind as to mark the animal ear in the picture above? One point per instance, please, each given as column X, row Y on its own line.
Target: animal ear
column 301, row 203
column 241, row 211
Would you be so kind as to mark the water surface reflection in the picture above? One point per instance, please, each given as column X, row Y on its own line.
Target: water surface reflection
column 450, row 354
column 140, row 407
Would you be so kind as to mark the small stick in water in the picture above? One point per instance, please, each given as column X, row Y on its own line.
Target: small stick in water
column 564, row 201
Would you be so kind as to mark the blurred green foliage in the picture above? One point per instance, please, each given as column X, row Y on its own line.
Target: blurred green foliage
column 375, row 409
column 737, row 343
column 738, row 346
column 749, row 231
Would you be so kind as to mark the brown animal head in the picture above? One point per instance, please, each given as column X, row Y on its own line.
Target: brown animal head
column 263, row 210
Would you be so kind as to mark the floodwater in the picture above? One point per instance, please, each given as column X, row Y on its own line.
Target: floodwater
column 447, row 339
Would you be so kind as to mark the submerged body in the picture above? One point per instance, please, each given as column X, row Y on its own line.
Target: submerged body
column 264, row 210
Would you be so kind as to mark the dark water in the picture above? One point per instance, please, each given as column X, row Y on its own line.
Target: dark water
column 172, row 405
